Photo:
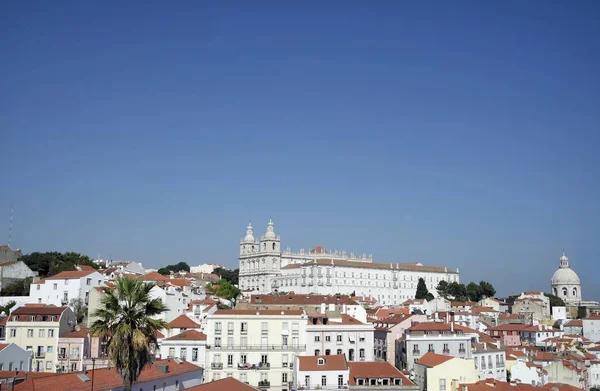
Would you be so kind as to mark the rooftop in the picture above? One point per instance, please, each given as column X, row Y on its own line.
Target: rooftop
column 183, row 322
column 260, row 312
column 188, row 335
column 329, row 363
column 371, row 265
column 431, row 360
column 370, row 369
column 226, row 384
column 302, row 299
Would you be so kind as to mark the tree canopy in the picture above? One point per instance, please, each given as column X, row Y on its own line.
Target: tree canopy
column 555, row 301
column 52, row 262
column 127, row 318
column 472, row 291
column 17, row 288
column 175, row 268
column 230, row 275
column 422, row 291
column 224, row 289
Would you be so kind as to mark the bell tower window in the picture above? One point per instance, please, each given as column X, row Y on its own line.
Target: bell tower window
column 273, row 246
column 565, row 293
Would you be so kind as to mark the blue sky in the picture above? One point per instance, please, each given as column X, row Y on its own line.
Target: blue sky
column 458, row 134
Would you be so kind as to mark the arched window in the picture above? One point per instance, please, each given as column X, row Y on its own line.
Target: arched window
column 565, row 292
column 555, row 292
column 273, row 246
column 264, row 246
column 574, row 292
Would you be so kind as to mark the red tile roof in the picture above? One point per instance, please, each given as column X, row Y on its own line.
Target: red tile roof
column 437, row 326
column 369, row 370
column 575, row 323
column 38, row 310
column 81, row 333
column 259, row 312
column 154, row 276
column 70, row 274
column 105, row 378
column 431, row 360
column 188, row 335
column 226, row 384
column 330, row 363
column 183, row 322
column 545, row 356
column 3, row 346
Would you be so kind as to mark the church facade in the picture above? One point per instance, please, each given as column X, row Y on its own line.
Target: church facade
column 265, row 268
column 565, row 283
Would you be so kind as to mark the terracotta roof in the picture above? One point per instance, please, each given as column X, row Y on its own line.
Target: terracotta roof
column 154, row 276
column 228, row 383
column 575, row 323
column 431, row 360
column 509, row 327
column 8, row 263
column 302, row 299
column 183, row 322
column 545, row 356
column 188, row 335
column 594, row 348
column 371, row 265
column 479, row 310
column 437, row 326
column 259, row 312
column 330, row 363
column 105, row 378
column 494, row 385
column 462, row 304
column 70, row 274
column 515, row 353
column 345, row 319
column 561, row 387
column 3, row 320
column 370, row 369
column 38, row 310
column 3, row 346
column 483, row 337
column 159, row 335
column 81, row 333
column 179, row 282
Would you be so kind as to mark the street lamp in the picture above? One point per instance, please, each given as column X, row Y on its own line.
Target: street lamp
column 93, row 371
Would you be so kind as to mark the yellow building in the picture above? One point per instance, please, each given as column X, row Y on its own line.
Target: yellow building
column 435, row 372
column 37, row 328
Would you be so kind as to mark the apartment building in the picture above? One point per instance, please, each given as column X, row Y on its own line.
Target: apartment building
column 442, row 338
column 61, row 288
column 78, row 350
column 38, row 327
column 321, row 372
column 15, row 358
column 255, row 347
column 198, row 310
column 378, row 376
column 181, row 324
column 388, row 331
column 339, row 335
column 189, row 345
column 436, row 372
column 490, row 360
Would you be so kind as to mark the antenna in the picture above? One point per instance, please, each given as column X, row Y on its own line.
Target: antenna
column 12, row 212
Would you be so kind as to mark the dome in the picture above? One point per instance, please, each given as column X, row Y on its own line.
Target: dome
column 249, row 234
column 565, row 276
column 270, row 231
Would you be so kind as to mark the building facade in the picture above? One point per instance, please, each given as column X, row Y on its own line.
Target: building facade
column 62, row 288
column 189, row 345
column 436, row 372
column 14, row 271
column 566, row 283
column 257, row 347
column 15, row 358
column 265, row 268
column 38, row 328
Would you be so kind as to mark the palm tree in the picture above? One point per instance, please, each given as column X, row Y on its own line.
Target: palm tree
column 127, row 318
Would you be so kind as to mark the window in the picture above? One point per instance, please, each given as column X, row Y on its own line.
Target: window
column 307, row 381
column 229, row 327
column 264, row 359
column 317, row 338
column 10, row 366
column 317, row 352
column 183, row 353
column 361, row 353
column 360, row 382
column 430, row 348
column 13, row 332
column 243, row 377
column 323, row 381
column 327, row 352
column 171, row 352
column 284, row 360
column 230, row 341
column 446, row 349
column 264, row 327
column 244, row 341
column 42, row 333
column 339, row 338
column 442, row 384
column 339, row 351
column 88, row 281
column 218, row 342
column 284, row 378
column 284, row 340
column 50, row 349
column 230, row 360
column 55, row 286
column 295, row 328
column 49, row 364
column 217, row 327
column 244, row 326
column 30, row 333
column 340, row 381
column 462, row 347
column 194, row 354
column 327, row 337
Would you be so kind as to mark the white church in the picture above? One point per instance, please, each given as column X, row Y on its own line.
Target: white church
column 264, row 268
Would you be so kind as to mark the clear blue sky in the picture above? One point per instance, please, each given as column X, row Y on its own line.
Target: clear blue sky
column 463, row 134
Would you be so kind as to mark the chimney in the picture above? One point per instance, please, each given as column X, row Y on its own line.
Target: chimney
column 452, row 326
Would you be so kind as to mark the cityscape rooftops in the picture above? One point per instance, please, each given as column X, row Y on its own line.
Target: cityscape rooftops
column 322, row 363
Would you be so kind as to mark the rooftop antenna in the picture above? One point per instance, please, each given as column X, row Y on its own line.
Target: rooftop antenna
column 12, row 212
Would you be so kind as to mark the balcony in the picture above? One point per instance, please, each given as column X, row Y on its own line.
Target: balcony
column 216, row 365
column 244, row 332
column 462, row 351
column 40, row 354
column 320, row 283
column 297, row 348
column 328, row 282
column 229, row 332
column 310, row 283
column 264, row 332
column 218, row 331
column 264, row 383
column 446, row 351
column 431, row 350
column 416, row 352
column 264, row 366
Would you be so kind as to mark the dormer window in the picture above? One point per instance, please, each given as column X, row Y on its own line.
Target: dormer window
column 321, row 361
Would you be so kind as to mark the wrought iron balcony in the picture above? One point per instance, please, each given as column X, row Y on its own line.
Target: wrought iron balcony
column 296, row 348
column 216, row 365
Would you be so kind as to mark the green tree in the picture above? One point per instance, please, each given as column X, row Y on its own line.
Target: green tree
column 474, row 292
column 442, row 288
column 7, row 307
column 79, row 308
column 555, row 301
column 229, row 275
column 164, row 271
column 126, row 318
column 457, row 291
column 53, row 262
column 487, row 289
column 224, row 289
column 422, row 291
column 17, row 288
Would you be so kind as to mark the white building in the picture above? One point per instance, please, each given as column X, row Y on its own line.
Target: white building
column 37, row 328
column 264, row 268
column 198, row 310
column 490, row 361
column 591, row 327
column 15, row 358
column 189, row 345
column 255, row 346
column 339, row 335
column 566, row 283
column 529, row 373
column 321, row 372
column 206, row 268
column 175, row 300
column 60, row 289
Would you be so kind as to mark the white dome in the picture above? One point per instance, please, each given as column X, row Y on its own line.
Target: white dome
column 249, row 234
column 270, row 231
column 565, row 276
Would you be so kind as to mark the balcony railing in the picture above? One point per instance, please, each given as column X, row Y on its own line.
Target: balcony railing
column 40, row 354
column 416, row 352
column 446, row 351
column 264, row 365
column 264, row 383
column 298, row 348
column 462, row 351
column 431, row 350
column 216, row 365
column 218, row 331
